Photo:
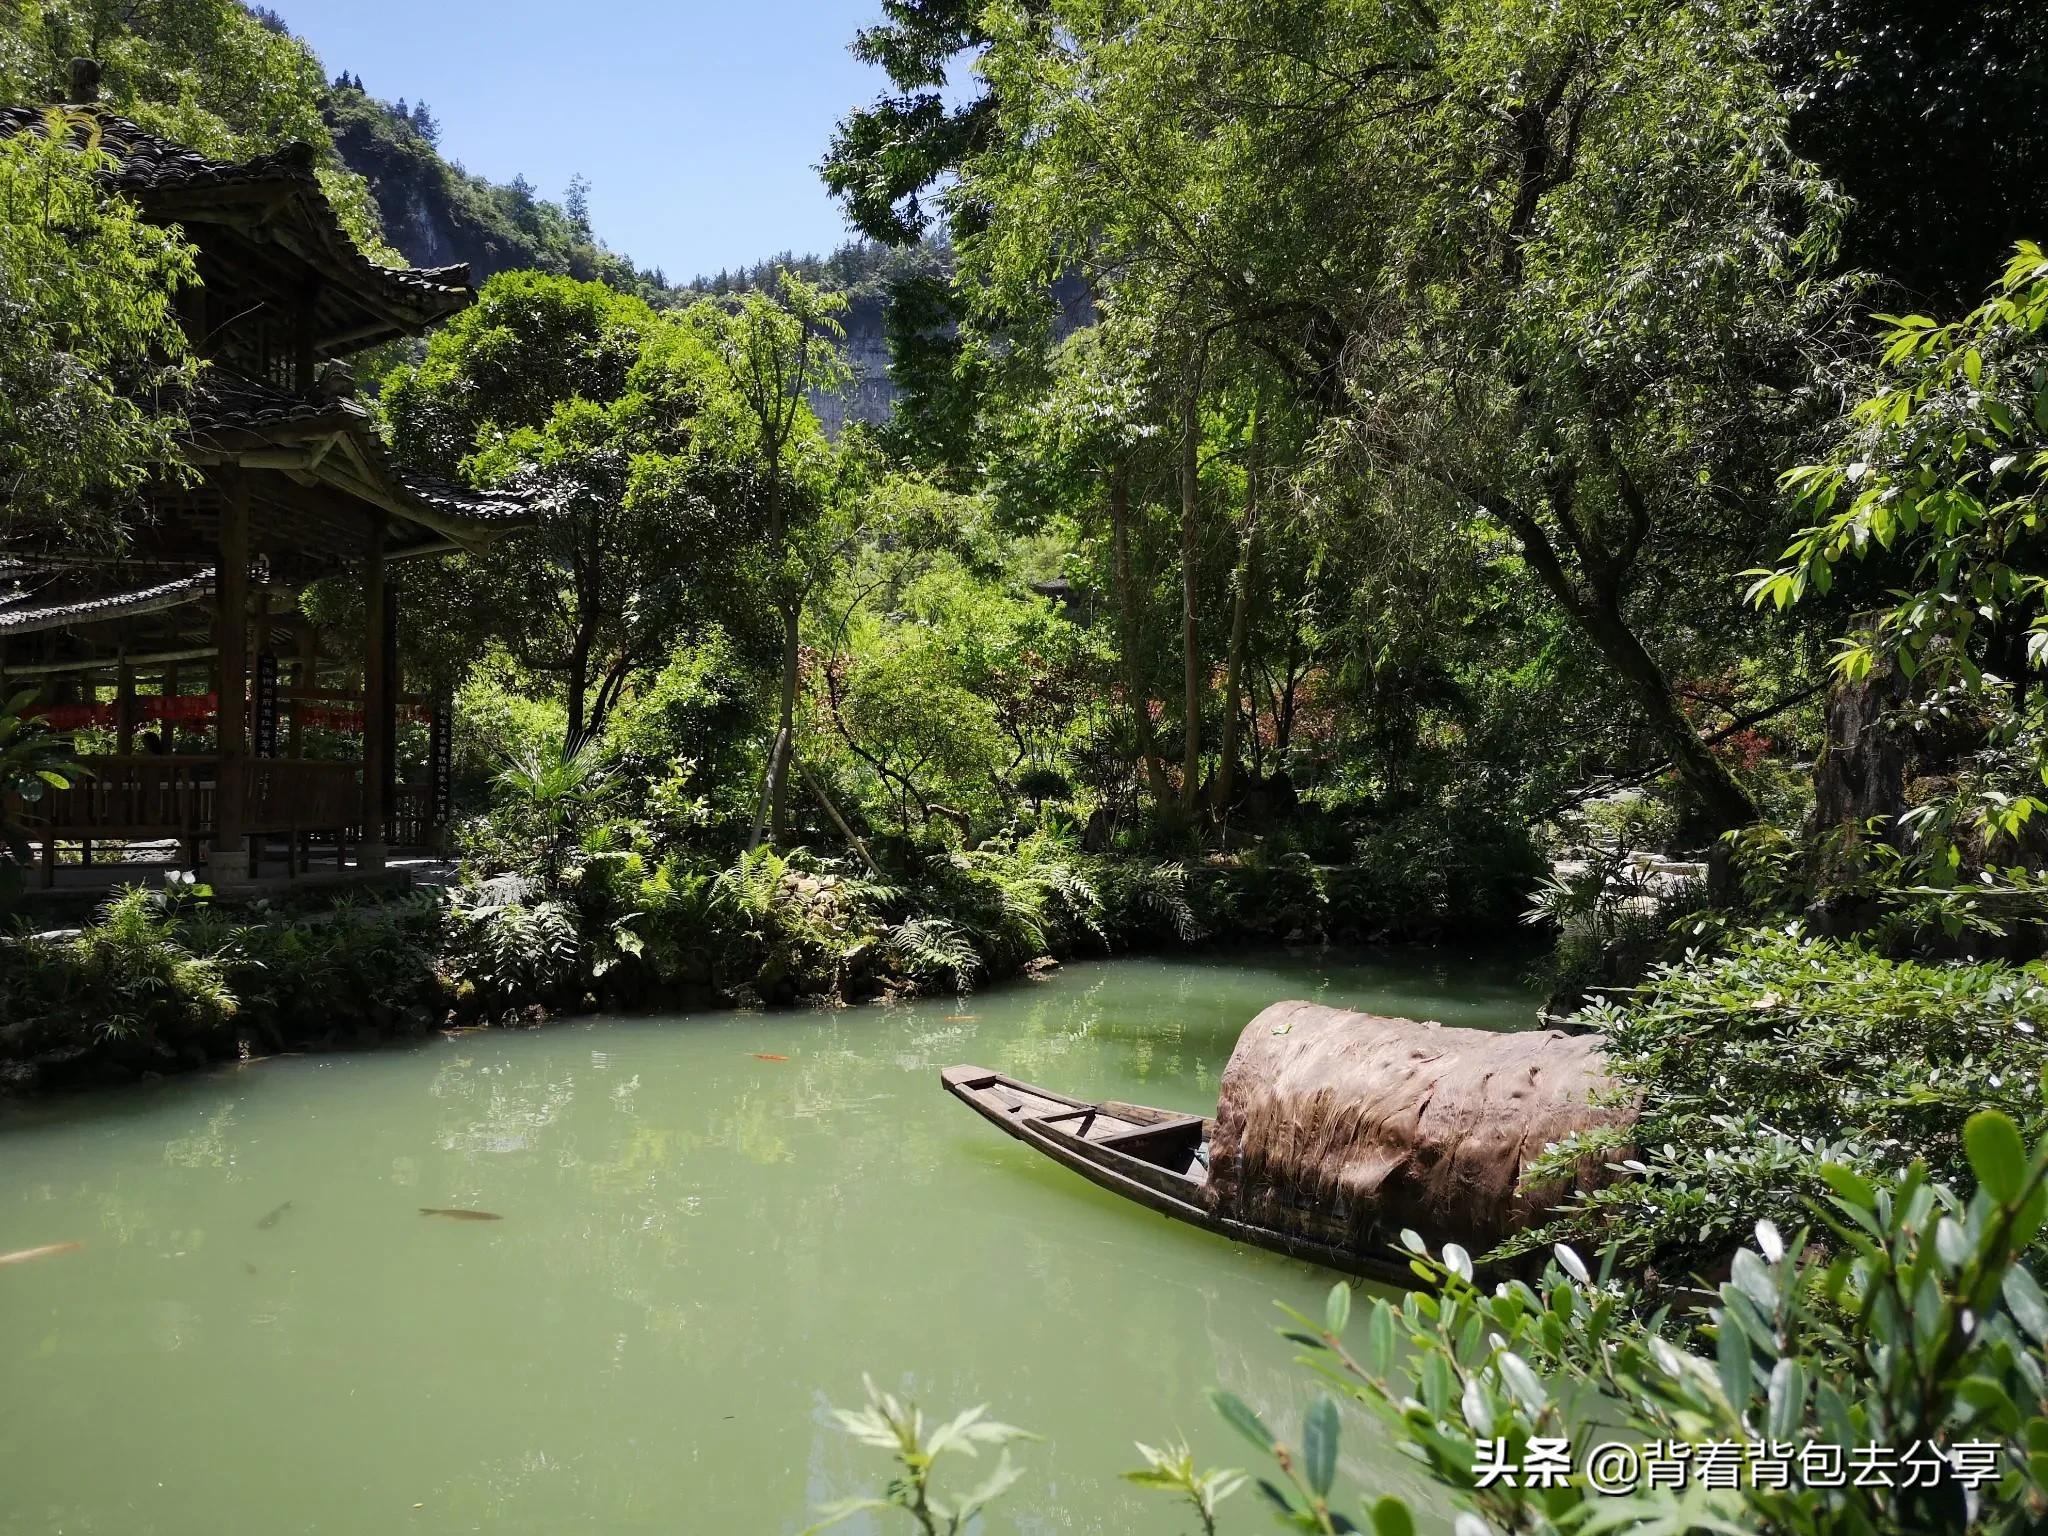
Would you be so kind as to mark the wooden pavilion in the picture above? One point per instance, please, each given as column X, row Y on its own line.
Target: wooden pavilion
column 285, row 482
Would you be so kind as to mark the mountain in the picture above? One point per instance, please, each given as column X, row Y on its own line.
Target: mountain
column 435, row 212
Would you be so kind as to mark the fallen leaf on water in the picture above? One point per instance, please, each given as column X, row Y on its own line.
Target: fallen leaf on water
column 48, row 1250
column 768, row 1056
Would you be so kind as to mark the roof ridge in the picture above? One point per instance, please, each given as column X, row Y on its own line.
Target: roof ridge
column 146, row 163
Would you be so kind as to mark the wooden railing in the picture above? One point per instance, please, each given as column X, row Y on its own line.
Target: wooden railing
column 412, row 816
column 129, row 797
column 284, row 794
column 133, row 798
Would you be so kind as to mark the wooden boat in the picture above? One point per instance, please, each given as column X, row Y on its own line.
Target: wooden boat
column 1153, row 1156
column 1334, row 1131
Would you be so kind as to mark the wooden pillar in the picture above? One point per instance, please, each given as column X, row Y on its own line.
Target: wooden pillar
column 377, row 704
column 124, row 707
column 229, row 861
column 305, row 675
column 391, row 690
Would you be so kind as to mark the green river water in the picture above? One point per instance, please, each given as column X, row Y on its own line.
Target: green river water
column 700, row 1252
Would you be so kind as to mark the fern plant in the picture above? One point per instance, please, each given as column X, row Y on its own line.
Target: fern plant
column 927, row 949
column 144, row 996
column 505, row 950
column 1152, row 896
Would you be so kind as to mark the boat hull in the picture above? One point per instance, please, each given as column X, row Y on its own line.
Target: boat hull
column 1144, row 1154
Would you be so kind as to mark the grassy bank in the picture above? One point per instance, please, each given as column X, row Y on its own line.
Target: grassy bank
column 167, row 981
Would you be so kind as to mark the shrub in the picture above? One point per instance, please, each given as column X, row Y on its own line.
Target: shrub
column 1012, row 900
column 786, row 925
column 1424, row 872
column 509, row 949
column 33, row 761
column 124, row 990
column 900, row 1429
column 296, row 981
column 1756, row 1067
column 1922, row 1336
column 166, row 979
column 1268, row 892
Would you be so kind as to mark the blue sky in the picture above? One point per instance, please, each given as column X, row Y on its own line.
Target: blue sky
column 699, row 122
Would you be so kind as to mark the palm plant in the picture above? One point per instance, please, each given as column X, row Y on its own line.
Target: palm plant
column 550, row 791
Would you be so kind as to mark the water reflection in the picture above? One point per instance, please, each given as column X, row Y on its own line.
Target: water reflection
column 700, row 1249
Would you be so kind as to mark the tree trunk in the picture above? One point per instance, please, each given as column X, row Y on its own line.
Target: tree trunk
column 1240, row 618
column 825, row 804
column 767, row 793
column 778, row 765
column 1283, row 715
column 1190, row 513
column 1127, row 623
column 1726, row 803
column 771, row 811
column 579, row 690
column 1596, row 608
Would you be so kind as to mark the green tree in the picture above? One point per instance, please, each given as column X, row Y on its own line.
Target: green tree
column 91, row 355
column 949, row 688
column 774, row 350
column 1080, row 439
column 1420, row 217
column 590, row 403
column 1928, row 116
column 205, row 73
column 1942, row 475
column 886, row 157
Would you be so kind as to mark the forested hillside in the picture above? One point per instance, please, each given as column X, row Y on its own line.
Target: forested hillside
column 435, row 212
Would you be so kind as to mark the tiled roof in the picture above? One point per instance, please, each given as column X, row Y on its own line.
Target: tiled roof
column 223, row 403
column 172, row 182
column 97, row 608
column 146, row 162
column 159, row 173
column 452, row 500
column 226, row 402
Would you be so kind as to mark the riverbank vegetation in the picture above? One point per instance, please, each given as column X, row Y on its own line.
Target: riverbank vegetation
column 1356, row 472
column 162, row 981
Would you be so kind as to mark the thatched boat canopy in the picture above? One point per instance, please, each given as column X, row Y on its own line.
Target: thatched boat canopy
column 1347, row 1127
